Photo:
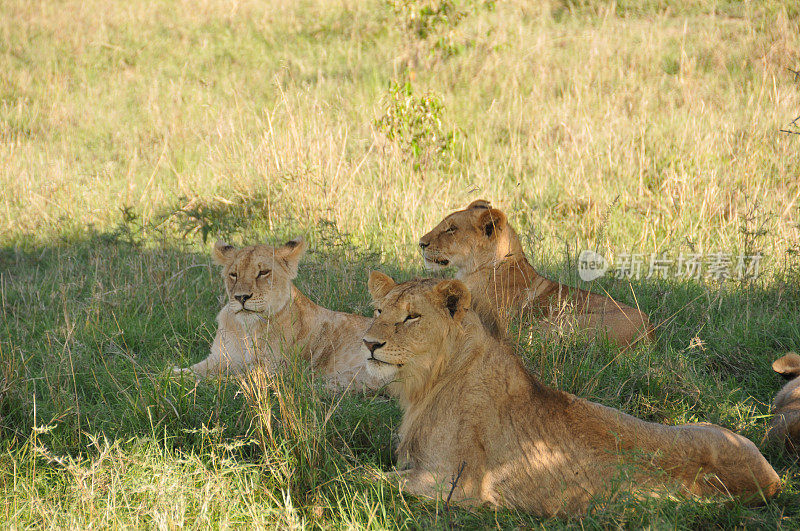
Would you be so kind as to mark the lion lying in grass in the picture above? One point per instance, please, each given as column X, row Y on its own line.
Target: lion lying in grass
column 469, row 406
column 267, row 316
column 785, row 425
column 488, row 256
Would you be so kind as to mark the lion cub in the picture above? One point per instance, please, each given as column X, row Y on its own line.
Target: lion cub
column 488, row 257
column 266, row 316
column 472, row 411
column 785, row 425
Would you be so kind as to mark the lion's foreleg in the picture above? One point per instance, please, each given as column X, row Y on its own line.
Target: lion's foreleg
column 417, row 482
column 229, row 356
column 424, row 484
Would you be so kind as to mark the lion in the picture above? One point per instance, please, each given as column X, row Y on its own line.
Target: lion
column 479, row 428
column 266, row 317
column 785, row 424
column 488, row 257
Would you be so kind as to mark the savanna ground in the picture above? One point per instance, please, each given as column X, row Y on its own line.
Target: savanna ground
column 133, row 134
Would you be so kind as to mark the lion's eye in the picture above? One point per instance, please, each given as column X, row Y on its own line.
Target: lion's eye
column 451, row 229
column 412, row 317
column 233, row 276
column 263, row 273
column 377, row 312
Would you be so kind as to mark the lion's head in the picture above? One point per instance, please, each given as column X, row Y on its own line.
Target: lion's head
column 258, row 279
column 412, row 322
column 469, row 238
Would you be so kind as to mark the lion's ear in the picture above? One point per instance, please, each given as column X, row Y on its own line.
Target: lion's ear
column 222, row 253
column 787, row 366
column 491, row 222
column 290, row 253
column 379, row 284
column 453, row 295
column 480, row 203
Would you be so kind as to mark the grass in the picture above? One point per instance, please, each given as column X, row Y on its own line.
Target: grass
column 134, row 134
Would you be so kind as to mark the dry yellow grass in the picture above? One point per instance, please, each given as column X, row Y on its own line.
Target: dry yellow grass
column 674, row 117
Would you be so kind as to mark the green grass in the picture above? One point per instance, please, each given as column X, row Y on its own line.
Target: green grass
column 134, row 134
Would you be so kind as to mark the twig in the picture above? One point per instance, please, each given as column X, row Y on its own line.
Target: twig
column 453, row 483
column 789, row 132
column 795, row 72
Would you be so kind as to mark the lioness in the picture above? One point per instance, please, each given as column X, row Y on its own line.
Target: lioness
column 266, row 316
column 471, row 407
column 488, row 257
column 785, row 425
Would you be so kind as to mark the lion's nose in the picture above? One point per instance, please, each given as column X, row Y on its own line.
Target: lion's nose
column 372, row 346
column 242, row 298
column 423, row 244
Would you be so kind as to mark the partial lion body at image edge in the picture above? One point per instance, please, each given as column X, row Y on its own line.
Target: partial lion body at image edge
column 470, row 405
column 785, row 424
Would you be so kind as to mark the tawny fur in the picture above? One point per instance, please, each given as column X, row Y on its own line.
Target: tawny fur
column 277, row 320
column 467, row 401
column 489, row 259
column 785, row 425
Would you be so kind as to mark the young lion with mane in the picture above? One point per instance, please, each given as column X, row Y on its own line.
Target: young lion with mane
column 488, row 257
column 469, row 406
column 266, row 316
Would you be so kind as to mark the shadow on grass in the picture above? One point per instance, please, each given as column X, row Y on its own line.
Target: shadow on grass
column 91, row 326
